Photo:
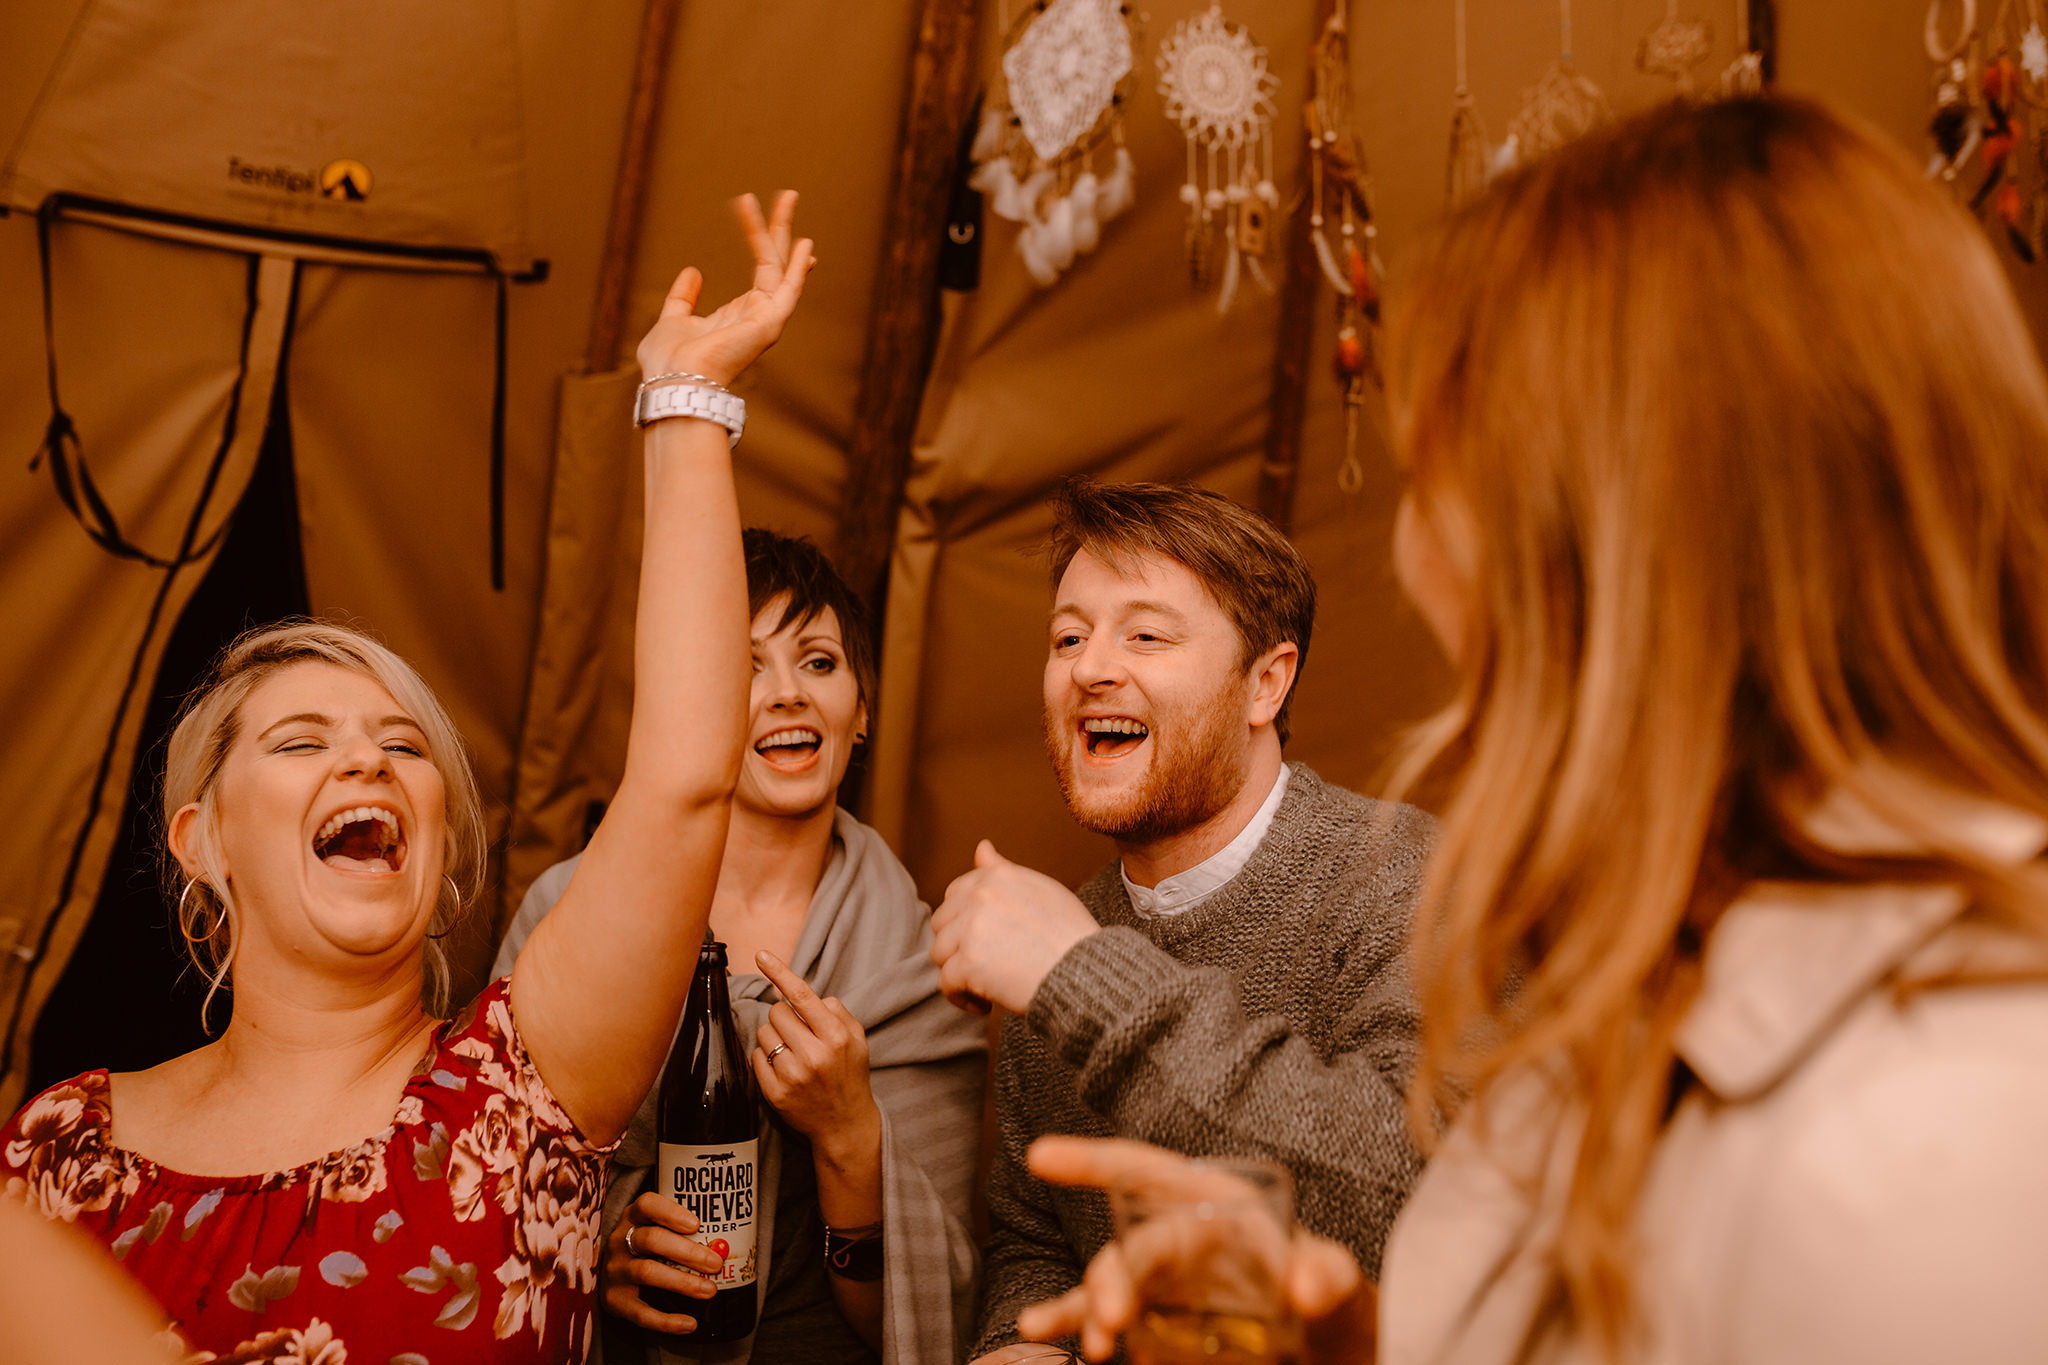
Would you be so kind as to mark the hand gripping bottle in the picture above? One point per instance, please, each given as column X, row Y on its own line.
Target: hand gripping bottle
column 707, row 1129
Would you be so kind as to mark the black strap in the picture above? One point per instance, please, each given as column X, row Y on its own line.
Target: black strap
column 69, row 472
column 498, row 442
column 131, row 692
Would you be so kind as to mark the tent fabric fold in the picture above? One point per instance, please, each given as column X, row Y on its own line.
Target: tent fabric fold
column 53, row 857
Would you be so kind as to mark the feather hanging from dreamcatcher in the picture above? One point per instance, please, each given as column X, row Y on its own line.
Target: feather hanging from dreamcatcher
column 1067, row 74
column 1216, row 85
column 1744, row 75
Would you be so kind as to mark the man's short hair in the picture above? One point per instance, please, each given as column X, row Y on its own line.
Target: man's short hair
column 1252, row 571
column 779, row 564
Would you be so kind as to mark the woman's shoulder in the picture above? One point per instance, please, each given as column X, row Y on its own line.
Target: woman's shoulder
column 1896, row 1204
column 875, row 877
column 479, row 1054
column 55, row 1124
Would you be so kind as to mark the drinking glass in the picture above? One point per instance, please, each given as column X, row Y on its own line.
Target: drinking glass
column 1206, row 1244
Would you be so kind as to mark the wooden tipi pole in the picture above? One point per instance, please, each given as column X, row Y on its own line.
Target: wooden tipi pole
column 904, row 322
column 1287, row 405
column 629, row 187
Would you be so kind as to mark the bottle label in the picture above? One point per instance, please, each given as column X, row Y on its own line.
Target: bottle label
column 717, row 1184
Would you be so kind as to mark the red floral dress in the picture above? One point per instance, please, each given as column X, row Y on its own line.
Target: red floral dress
column 467, row 1231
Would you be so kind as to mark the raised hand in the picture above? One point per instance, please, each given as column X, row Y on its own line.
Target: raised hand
column 721, row 344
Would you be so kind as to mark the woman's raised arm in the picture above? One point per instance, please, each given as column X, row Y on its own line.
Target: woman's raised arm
column 598, row 987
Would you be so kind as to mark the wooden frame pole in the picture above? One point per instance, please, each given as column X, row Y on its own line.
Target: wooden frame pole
column 1286, row 407
column 629, row 187
column 903, row 324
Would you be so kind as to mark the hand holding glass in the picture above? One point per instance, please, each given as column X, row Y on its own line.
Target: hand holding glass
column 1205, row 1244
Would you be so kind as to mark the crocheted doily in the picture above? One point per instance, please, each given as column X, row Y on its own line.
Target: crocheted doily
column 1215, row 82
column 1064, row 69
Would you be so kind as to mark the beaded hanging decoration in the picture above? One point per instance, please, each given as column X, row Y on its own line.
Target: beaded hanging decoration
column 1562, row 105
column 1216, row 85
column 1068, row 70
column 1674, row 46
column 1989, row 85
column 1340, row 193
column 1467, row 173
column 1957, row 125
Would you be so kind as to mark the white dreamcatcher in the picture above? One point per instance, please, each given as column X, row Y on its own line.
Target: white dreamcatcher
column 1067, row 70
column 1216, row 85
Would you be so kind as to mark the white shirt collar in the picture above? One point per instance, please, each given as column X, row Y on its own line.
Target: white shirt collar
column 1183, row 891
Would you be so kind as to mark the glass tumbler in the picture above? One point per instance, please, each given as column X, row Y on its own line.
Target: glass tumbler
column 1206, row 1245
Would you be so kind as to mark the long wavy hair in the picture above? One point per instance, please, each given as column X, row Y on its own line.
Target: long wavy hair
column 206, row 730
column 1733, row 435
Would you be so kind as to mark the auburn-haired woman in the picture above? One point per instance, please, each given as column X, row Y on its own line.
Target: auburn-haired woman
column 872, row 1081
column 1727, row 450
column 342, row 1175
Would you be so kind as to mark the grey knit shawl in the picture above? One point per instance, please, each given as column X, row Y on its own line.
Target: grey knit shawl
column 866, row 939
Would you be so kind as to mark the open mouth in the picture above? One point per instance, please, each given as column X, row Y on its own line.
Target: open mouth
column 362, row 839
column 790, row 745
column 1113, row 736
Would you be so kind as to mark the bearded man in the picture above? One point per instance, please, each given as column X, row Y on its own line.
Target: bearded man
column 1234, row 983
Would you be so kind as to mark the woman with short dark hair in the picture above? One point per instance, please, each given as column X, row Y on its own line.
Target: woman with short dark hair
column 872, row 1082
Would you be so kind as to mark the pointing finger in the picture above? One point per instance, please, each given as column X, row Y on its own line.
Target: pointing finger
column 794, row 988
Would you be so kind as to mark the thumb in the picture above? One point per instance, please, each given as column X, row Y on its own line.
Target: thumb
column 682, row 295
column 985, row 855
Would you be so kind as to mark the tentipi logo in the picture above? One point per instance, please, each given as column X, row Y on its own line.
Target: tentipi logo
column 345, row 179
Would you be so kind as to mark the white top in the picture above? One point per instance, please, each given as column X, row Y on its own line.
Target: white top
column 1186, row 890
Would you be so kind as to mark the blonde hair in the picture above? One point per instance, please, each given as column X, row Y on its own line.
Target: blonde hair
column 206, row 730
column 1738, row 444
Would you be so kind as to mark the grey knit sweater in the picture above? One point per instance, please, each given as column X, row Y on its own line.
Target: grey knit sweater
column 1274, row 1019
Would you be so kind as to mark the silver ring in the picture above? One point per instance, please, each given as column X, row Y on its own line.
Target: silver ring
column 630, row 1227
column 778, row 1050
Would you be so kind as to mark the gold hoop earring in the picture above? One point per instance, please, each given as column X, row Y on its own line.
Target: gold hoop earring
column 186, row 895
column 455, row 894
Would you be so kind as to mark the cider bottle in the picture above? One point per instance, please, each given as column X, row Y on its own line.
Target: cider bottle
column 706, row 1128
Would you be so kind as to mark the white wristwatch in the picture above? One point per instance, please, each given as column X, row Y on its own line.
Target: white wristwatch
column 692, row 400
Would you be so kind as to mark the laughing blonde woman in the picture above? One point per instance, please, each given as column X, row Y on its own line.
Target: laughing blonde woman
column 342, row 1175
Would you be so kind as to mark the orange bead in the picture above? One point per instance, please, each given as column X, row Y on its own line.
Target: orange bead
column 2009, row 204
column 1350, row 353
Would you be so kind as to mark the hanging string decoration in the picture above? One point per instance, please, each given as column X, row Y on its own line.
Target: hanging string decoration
column 1745, row 75
column 1469, row 147
column 1340, row 193
column 1562, row 105
column 1067, row 76
column 1216, row 85
column 1674, row 46
column 1988, row 88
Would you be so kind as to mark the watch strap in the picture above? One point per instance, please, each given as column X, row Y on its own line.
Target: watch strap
column 692, row 400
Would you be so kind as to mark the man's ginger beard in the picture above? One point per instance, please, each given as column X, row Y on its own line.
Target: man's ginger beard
column 1195, row 772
